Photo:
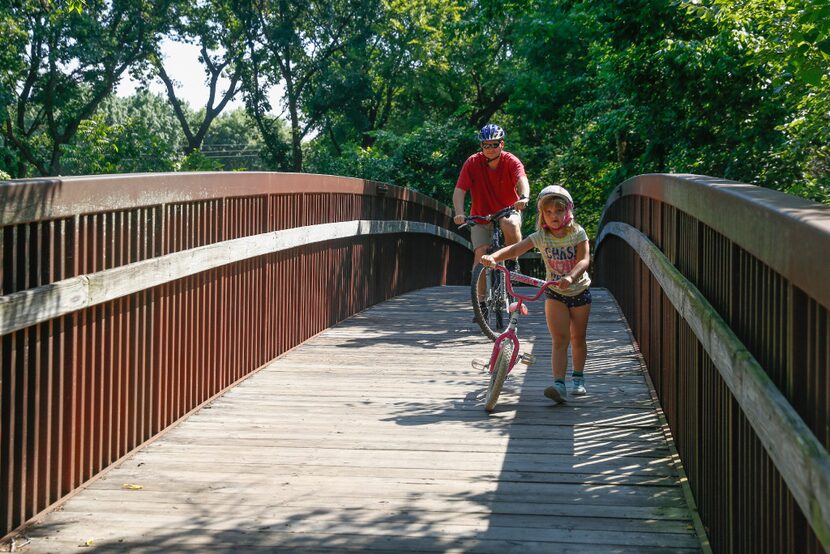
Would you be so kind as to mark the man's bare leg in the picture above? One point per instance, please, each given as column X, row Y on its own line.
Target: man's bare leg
column 511, row 227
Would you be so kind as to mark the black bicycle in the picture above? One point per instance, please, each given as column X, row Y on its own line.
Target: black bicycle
column 489, row 296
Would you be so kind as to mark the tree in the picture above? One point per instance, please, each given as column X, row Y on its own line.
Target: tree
column 214, row 28
column 404, row 105
column 791, row 39
column 288, row 43
column 66, row 62
column 364, row 90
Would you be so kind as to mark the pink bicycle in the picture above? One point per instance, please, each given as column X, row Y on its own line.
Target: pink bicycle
column 505, row 353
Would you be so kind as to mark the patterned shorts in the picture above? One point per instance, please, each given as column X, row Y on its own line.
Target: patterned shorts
column 580, row 299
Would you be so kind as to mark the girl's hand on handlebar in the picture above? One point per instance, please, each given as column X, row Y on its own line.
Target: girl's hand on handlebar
column 565, row 282
column 488, row 261
column 459, row 219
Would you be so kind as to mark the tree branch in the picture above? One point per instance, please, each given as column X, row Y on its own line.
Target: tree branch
column 24, row 149
column 174, row 100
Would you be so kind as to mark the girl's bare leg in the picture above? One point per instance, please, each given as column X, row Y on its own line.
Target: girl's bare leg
column 558, row 319
column 578, row 331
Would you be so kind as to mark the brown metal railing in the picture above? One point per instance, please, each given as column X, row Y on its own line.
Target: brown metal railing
column 81, row 390
column 760, row 260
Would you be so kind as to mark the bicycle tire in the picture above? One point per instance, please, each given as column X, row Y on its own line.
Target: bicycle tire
column 498, row 375
column 496, row 300
column 497, row 285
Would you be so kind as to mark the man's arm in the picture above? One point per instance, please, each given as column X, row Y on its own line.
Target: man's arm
column 458, row 196
column 523, row 190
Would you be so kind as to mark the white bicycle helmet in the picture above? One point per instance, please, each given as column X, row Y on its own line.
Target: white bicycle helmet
column 555, row 190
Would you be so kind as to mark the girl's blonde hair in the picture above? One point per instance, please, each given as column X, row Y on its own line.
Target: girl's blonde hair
column 547, row 200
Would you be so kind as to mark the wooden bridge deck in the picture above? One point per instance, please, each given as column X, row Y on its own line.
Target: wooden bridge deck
column 372, row 437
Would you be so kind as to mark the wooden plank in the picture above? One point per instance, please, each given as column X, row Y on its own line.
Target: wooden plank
column 350, row 443
column 227, row 469
column 223, row 503
column 268, row 540
column 669, row 534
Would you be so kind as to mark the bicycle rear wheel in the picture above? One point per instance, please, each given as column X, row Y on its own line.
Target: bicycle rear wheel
column 492, row 317
column 498, row 375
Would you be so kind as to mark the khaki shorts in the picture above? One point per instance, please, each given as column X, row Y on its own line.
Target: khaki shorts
column 481, row 235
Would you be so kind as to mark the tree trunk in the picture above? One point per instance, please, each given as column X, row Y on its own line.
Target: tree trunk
column 296, row 138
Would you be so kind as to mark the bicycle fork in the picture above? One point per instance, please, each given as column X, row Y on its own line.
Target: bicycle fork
column 510, row 334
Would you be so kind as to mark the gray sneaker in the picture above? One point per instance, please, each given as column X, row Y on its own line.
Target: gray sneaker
column 557, row 393
column 579, row 387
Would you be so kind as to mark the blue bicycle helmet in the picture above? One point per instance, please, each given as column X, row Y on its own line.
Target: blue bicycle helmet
column 491, row 131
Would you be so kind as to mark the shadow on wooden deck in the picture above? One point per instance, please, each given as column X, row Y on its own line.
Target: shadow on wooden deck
column 372, row 437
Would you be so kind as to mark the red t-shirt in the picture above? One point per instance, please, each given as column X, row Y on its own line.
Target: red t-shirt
column 491, row 189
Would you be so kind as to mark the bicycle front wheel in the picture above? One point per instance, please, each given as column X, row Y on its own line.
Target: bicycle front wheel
column 490, row 301
column 498, row 375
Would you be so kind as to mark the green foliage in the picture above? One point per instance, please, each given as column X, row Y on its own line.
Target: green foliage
column 196, row 161
column 126, row 147
column 426, row 159
column 591, row 92
column 151, row 112
column 96, row 151
column 126, row 135
column 142, row 134
column 618, row 89
column 291, row 43
column 369, row 88
column 235, row 142
column 595, row 92
column 61, row 63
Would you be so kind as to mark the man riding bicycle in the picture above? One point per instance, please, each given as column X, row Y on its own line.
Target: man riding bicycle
column 496, row 179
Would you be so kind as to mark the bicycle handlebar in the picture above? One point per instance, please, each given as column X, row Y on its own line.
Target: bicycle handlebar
column 528, row 280
column 484, row 219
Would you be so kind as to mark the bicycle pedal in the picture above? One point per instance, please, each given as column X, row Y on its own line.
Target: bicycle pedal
column 480, row 364
column 527, row 358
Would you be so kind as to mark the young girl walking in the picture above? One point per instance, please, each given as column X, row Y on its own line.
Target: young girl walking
column 563, row 245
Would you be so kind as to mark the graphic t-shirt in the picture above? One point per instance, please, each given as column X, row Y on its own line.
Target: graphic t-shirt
column 491, row 189
column 559, row 255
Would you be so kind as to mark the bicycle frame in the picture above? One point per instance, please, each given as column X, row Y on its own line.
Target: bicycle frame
column 515, row 310
column 487, row 289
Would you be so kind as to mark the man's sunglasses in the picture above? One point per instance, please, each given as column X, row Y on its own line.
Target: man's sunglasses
column 489, row 145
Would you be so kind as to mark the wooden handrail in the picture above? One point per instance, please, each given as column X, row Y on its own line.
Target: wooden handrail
column 789, row 234
column 25, row 201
